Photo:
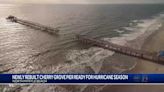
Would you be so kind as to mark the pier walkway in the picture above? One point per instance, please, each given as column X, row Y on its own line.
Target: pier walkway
column 154, row 57
column 33, row 25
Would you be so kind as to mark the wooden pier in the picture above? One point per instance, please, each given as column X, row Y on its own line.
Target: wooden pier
column 154, row 57
column 33, row 25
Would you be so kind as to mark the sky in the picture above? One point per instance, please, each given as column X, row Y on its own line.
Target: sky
column 82, row 1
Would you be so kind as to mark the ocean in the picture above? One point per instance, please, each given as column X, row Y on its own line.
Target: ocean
column 25, row 50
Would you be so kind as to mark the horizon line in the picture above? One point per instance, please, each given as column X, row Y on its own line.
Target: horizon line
column 84, row 3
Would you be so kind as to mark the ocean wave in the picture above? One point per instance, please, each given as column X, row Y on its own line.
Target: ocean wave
column 141, row 30
column 135, row 38
column 82, row 61
column 91, row 60
column 94, row 56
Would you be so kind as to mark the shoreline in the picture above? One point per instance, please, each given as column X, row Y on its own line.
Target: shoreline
column 153, row 42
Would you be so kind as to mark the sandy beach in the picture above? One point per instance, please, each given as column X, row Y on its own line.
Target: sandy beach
column 154, row 42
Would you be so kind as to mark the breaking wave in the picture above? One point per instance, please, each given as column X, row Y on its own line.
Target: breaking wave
column 91, row 60
column 138, row 31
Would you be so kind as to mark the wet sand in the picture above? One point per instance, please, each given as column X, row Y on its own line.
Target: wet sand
column 154, row 42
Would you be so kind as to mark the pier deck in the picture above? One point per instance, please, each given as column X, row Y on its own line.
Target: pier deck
column 122, row 49
column 33, row 25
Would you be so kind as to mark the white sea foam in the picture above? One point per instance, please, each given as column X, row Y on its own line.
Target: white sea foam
column 142, row 29
column 119, row 31
column 94, row 56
